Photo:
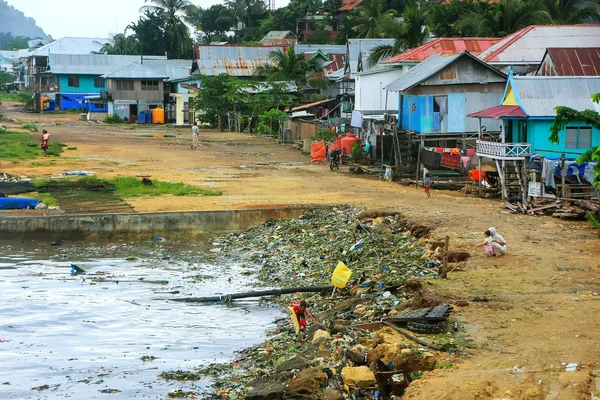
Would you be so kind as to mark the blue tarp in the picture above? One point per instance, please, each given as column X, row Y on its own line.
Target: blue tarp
column 17, row 203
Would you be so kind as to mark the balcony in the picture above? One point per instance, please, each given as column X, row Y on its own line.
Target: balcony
column 503, row 151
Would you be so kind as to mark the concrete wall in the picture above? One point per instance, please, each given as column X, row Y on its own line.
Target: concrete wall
column 170, row 225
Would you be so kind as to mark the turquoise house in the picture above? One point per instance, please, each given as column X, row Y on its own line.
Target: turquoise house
column 527, row 110
column 77, row 79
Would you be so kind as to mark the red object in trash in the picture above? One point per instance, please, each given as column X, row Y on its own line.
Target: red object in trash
column 349, row 141
column 474, row 175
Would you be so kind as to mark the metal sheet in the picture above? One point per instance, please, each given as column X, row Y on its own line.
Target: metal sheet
column 574, row 61
column 447, row 46
column 232, row 60
column 529, row 44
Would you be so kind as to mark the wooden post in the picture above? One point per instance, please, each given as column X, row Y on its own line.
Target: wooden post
column 563, row 175
column 421, row 143
column 480, row 161
column 444, row 269
column 401, row 112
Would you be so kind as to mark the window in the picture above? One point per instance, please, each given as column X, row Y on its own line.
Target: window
column 73, row 81
column 124, row 85
column 149, row 85
column 579, row 137
column 98, row 82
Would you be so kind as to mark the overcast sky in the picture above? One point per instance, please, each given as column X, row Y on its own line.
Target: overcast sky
column 62, row 18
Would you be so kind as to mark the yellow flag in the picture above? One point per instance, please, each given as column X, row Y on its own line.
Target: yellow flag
column 341, row 275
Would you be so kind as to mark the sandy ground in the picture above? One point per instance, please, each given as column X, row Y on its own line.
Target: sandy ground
column 544, row 307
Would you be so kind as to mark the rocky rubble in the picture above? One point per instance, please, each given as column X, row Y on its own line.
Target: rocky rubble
column 333, row 361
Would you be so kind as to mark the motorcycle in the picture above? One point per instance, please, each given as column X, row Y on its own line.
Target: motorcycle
column 335, row 157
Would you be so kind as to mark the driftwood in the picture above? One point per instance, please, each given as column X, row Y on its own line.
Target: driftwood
column 413, row 338
column 272, row 292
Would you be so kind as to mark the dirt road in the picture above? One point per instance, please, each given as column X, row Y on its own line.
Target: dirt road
column 544, row 302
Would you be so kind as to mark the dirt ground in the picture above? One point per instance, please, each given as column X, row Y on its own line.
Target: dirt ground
column 544, row 303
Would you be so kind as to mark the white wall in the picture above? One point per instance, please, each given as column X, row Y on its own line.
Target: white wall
column 370, row 95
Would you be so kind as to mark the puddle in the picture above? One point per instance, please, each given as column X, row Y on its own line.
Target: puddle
column 84, row 336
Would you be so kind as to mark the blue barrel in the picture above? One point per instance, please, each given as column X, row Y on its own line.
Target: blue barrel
column 142, row 118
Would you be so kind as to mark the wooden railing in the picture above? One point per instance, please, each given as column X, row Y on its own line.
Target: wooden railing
column 503, row 151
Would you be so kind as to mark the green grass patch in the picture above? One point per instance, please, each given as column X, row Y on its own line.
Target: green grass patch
column 45, row 197
column 30, row 127
column 133, row 187
column 10, row 97
column 17, row 146
column 71, row 148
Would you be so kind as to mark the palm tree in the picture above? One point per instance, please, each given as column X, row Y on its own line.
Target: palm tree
column 505, row 17
column 572, row 11
column 287, row 66
column 372, row 22
column 174, row 13
column 121, row 44
column 409, row 33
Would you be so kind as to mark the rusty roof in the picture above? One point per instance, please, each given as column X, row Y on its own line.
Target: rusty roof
column 528, row 45
column 583, row 61
column 232, row 60
column 499, row 112
column 445, row 46
column 309, row 105
column 350, row 5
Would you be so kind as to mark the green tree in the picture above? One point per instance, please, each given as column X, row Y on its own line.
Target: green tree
column 5, row 80
column 121, row 44
column 443, row 17
column 566, row 115
column 505, row 17
column 216, row 20
column 372, row 22
column 409, row 33
column 287, row 66
column 149, row 32
column 572, row 11
column 10, row 42
column 174, row 12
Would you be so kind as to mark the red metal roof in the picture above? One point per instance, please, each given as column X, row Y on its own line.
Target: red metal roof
column 350, row 4
column 499, row 112
column 309, row 105
column 576, row 61
column 445, row 46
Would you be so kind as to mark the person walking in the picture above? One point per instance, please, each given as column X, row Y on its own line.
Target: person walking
column 195, row 131
column 45, row 142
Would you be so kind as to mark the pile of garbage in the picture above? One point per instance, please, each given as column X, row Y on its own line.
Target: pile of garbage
column 333, row 358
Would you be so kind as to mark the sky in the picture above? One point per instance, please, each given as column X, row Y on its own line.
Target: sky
column 77, row 18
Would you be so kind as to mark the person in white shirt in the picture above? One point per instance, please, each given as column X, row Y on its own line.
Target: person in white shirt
column 195, row 131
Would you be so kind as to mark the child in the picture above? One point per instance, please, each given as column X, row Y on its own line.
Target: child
column 300, row 310
column 45, row 141
column 427, row 185
column 487, row 244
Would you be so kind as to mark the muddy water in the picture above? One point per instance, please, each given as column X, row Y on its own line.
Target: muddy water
column 83, row 337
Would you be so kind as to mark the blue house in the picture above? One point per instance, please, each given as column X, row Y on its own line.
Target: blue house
column 437, row 95
column 526, row 112
column 75, row 79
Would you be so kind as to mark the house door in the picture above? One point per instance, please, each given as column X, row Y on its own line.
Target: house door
column 440, row 114
column 133, row 113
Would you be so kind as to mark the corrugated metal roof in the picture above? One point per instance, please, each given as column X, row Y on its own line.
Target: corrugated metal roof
column 280, row 35
column 70, row 45
column 575, row 62
column 364, row 46
column 429, row 68
column 232, row 60
column 309, row 105
column 135, row 71
column 499, row 112
column 447, row 46
column 88, row 64
column 350, row 5
column 528, row 45
column 539, row 95
column 173, row 69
